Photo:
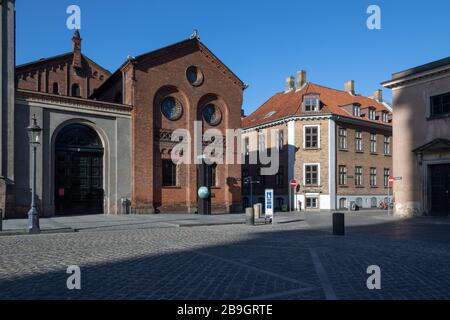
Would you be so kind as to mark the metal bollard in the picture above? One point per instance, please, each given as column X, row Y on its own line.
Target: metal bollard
column 1, row 220
column 250, row 216
column 338, row 224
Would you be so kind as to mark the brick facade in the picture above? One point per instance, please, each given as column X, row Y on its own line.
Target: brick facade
column 148, row 80
column 62, row 72
column 351, row 158
column 305, row 106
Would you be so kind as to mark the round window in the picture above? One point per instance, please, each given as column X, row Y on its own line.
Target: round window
column 171, row 108
column 212, row 114
column 194, row 76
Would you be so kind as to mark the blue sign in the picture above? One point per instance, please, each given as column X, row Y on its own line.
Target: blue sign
column 269, row 203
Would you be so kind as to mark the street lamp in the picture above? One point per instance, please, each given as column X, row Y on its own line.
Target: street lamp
column 249, row 181
column 34, row 134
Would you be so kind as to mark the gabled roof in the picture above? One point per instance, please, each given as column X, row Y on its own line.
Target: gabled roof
column 286, row 104
column 161, row 54
column 436, row 144
column 65, row 56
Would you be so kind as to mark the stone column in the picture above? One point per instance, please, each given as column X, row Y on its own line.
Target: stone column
column 7, row 65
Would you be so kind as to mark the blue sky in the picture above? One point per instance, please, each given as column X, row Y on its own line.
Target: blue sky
column 263, row 42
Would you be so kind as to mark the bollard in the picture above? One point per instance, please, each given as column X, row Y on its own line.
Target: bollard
column 250, row 216
column 338, row 224
column 257, row 211
column 1, row 220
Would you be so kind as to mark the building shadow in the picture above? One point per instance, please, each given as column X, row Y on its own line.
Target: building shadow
column 261, row 263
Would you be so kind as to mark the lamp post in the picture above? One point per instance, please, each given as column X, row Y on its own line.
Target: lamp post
column 34, row 134
column 249, row 180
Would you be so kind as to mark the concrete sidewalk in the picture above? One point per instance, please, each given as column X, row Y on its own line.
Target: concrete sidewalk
column 118, row 222
column 105, row 222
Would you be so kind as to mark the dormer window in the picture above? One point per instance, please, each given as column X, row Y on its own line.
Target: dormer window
column 311, row 103
column 356, row 110
column 372, row 114
column 385, row 117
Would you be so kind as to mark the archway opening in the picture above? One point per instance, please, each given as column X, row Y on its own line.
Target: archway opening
column 78, row 171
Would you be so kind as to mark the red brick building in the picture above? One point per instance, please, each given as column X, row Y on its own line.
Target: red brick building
column 186, row 77
column 70, row 74
column 129, row 116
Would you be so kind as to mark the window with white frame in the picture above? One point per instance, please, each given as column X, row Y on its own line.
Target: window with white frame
column 387, row 173
column 356, row 110
column 312, row 203
column 311, row 103
column 280, row 139
column 342, row 175
column 342, row 138
column 373, row 177
column 387, row 145
column 373, row 143
column 358, row 141
column 311, row 174
column 385, row 117
column 358, row 176
column 261, row 141
column 372, row 114
column 311, row 137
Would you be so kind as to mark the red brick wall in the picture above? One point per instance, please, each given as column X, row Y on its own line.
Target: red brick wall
column 165, row 75
column 41, row 76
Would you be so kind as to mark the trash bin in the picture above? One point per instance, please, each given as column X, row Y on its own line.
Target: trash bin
column 338, row 224
column 125, row 205
column 250, row 216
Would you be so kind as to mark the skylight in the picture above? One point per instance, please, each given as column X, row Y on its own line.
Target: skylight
column 271, row 113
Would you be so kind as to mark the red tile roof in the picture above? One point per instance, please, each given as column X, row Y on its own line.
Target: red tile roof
column 283, row 105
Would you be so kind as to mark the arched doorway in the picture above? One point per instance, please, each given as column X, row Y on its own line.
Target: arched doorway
column 78, row 171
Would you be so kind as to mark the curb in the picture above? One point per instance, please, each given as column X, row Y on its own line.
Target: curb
column 25, row 232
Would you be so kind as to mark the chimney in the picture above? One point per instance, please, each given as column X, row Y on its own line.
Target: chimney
column 76, row 43
column 290, row 84
column 349, row 87
column 301, row 79
column 378, row 95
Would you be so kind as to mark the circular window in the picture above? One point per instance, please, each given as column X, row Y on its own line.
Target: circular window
column 212, row 114
column 171, row 108
column 194, row 76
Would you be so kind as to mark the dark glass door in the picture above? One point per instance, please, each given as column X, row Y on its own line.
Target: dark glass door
column 78, row 171
column 440, row 189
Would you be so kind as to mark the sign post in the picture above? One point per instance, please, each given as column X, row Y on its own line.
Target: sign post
column 269, row 205
column 292, row 186
column 390, row 185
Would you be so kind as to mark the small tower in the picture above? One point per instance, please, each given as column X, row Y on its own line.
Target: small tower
column 76, row 44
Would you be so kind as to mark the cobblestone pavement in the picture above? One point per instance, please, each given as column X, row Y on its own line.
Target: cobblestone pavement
column 295, row 260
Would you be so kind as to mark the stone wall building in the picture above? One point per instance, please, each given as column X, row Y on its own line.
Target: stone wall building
column 335, row 143
column 421, row 101
column 106, row 138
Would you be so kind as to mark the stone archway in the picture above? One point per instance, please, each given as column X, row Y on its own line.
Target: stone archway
column 79, row 154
